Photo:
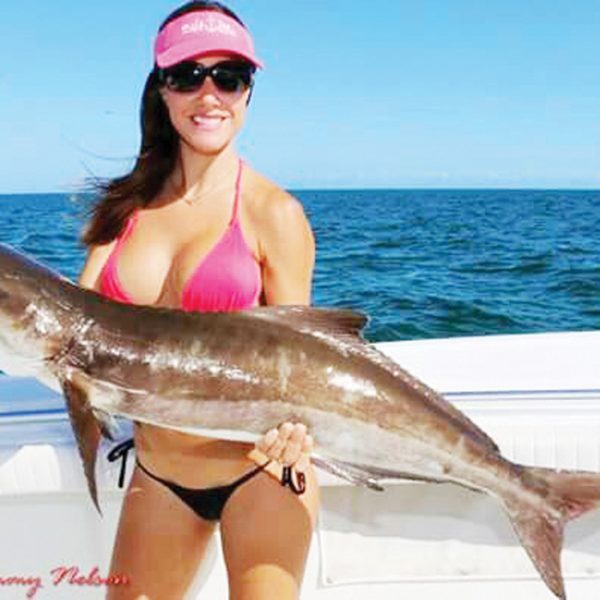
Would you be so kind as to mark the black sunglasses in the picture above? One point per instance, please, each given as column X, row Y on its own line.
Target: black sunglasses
column 228, row 76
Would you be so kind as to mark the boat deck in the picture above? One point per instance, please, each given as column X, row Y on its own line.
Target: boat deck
column 538, row 396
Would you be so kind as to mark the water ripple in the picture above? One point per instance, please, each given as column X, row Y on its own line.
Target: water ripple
column 422, row 263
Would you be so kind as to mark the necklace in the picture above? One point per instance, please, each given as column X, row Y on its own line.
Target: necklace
column 197, row 198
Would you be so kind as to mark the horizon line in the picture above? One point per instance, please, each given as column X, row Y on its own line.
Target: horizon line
column 359, row 189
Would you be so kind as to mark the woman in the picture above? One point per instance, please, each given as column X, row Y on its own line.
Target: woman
column 193, row 227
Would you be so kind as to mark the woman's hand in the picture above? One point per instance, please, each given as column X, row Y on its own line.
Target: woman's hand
column 290, row 444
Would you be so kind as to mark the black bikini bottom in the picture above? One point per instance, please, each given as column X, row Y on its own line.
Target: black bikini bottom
column 207, row 503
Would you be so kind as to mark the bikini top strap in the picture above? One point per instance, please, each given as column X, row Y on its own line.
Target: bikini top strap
column 128, row 227
column 238, row 187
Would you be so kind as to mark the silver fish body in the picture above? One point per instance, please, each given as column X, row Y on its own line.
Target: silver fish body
column 235, row 375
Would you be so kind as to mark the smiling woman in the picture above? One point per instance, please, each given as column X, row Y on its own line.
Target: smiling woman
column 194, row 227
column 207, row 128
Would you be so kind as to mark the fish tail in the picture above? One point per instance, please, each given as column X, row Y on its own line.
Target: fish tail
column 564, row 495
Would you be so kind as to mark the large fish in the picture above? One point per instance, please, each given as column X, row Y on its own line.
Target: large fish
column 236, row 375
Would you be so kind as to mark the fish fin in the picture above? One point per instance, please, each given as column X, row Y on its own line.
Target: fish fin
column 86, row 429
column 378, row 473
column 568, row 494
column 365, row 475
column 107, row 423
column 346, row 471
column 338, row 322
column 375, row 474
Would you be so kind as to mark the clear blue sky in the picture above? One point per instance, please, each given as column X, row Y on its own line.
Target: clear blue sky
column 385, row 93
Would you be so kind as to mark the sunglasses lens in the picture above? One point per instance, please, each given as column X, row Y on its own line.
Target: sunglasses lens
column 185, row 77
column 232, row 76
column 228, row 76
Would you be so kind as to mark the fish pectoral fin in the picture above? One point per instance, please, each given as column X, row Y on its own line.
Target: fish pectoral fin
column 85, row 427
column 347, row 471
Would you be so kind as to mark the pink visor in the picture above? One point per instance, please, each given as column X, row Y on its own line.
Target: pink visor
column 202, row 32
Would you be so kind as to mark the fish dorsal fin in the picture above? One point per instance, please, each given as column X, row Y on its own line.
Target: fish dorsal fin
column 337, row 322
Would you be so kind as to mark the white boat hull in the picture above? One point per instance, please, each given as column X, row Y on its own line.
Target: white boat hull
column 537, row 395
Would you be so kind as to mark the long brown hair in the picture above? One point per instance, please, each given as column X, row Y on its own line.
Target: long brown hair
column 156, row 159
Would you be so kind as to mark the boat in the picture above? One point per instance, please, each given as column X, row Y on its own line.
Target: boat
column 537, row 395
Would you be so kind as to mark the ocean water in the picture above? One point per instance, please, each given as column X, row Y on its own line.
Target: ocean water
column 421, row 263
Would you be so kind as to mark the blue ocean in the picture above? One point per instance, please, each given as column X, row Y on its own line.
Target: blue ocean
column 421, row 263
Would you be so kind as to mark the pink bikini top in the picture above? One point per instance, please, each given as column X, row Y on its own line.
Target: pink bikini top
column 228, row 278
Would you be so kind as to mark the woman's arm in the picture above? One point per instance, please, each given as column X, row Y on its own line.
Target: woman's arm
column 287, row 248
column 97, row 256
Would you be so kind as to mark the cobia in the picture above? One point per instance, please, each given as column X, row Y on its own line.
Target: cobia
column 236, row 375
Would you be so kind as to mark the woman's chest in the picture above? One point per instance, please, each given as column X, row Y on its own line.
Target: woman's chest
column 193, row 263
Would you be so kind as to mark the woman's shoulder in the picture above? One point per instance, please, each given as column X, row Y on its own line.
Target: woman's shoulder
column 281, row 228
column 271, row 206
